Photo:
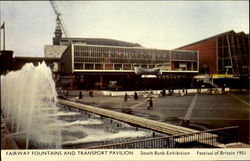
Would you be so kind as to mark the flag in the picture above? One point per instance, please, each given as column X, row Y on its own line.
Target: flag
column 3, row 25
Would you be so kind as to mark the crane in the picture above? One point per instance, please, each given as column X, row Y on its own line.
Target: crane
column 59, row 21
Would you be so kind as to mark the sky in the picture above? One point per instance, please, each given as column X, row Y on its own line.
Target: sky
column 154, row 24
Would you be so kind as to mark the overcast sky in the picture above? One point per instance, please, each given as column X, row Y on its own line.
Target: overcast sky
column 153, row 24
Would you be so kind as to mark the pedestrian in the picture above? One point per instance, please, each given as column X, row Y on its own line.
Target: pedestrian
column 126, row 97
column 80, row 95
column 149, row 102
column 163, row 92
column 91, row 93
column 135, row 96
column 169, row 92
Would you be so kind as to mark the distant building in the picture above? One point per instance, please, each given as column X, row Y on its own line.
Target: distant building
column 99, row 62
column 98, row 65
column 6, row 61
column 20, row 61
column 54, row 51
column 9, row 63
column 227, row 52
column 98, row 41
column 98, row 58
column 63, row 41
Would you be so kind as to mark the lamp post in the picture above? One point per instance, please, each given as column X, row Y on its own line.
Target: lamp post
column 1, row 57
column 1, row 93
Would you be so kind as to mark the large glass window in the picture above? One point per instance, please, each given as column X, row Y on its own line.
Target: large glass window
column 118, row 66
column 108, row 66
column 98, row 66
column 89, row 66
column 120, row 58
column 126, row 66
column 78, row 66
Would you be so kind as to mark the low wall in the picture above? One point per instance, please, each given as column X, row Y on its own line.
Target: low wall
column 139, row 121
column 158, row 92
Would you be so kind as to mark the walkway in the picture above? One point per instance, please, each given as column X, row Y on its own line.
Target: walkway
column 146, row 123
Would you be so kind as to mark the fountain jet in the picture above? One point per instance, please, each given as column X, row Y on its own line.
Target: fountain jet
column 27, row 95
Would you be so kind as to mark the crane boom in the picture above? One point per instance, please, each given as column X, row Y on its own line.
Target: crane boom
column 60, row 21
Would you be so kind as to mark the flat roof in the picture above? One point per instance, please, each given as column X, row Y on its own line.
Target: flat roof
column 143, row 48
column 35, row 58
column 102, row 41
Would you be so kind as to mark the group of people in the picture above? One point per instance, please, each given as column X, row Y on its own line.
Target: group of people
column 91, row 94
column 126, row 97
column 149, row 99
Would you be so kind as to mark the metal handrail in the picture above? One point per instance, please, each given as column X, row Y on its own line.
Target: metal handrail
column 167, row 137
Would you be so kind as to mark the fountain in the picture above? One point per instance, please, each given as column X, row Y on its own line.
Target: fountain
column 28, row 104
column 30, row 109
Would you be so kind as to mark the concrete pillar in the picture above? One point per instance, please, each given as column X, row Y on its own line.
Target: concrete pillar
column 71, row 81
column 101, row 81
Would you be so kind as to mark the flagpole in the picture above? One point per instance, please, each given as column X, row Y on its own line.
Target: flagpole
column 0, row 39
column 4, row 36
column 0, row 29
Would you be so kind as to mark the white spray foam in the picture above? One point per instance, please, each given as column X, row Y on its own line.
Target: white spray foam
column 106, row 136
column 24, row 95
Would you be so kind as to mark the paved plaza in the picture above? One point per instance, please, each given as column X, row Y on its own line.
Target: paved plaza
column 206, row 111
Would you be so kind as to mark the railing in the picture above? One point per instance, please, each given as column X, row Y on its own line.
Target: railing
column 203, row 139
column 227, row 135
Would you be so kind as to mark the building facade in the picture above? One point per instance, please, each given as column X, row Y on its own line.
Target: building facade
column 100, row 62
column 54, row 51
column 85, row 58
column 19, row 62
column 224, row 53
column 104, row 64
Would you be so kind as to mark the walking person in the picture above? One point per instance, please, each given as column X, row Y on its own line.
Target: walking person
column 126, row 97
column 80, row 95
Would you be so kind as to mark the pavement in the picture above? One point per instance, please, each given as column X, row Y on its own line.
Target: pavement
column 208, row 111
